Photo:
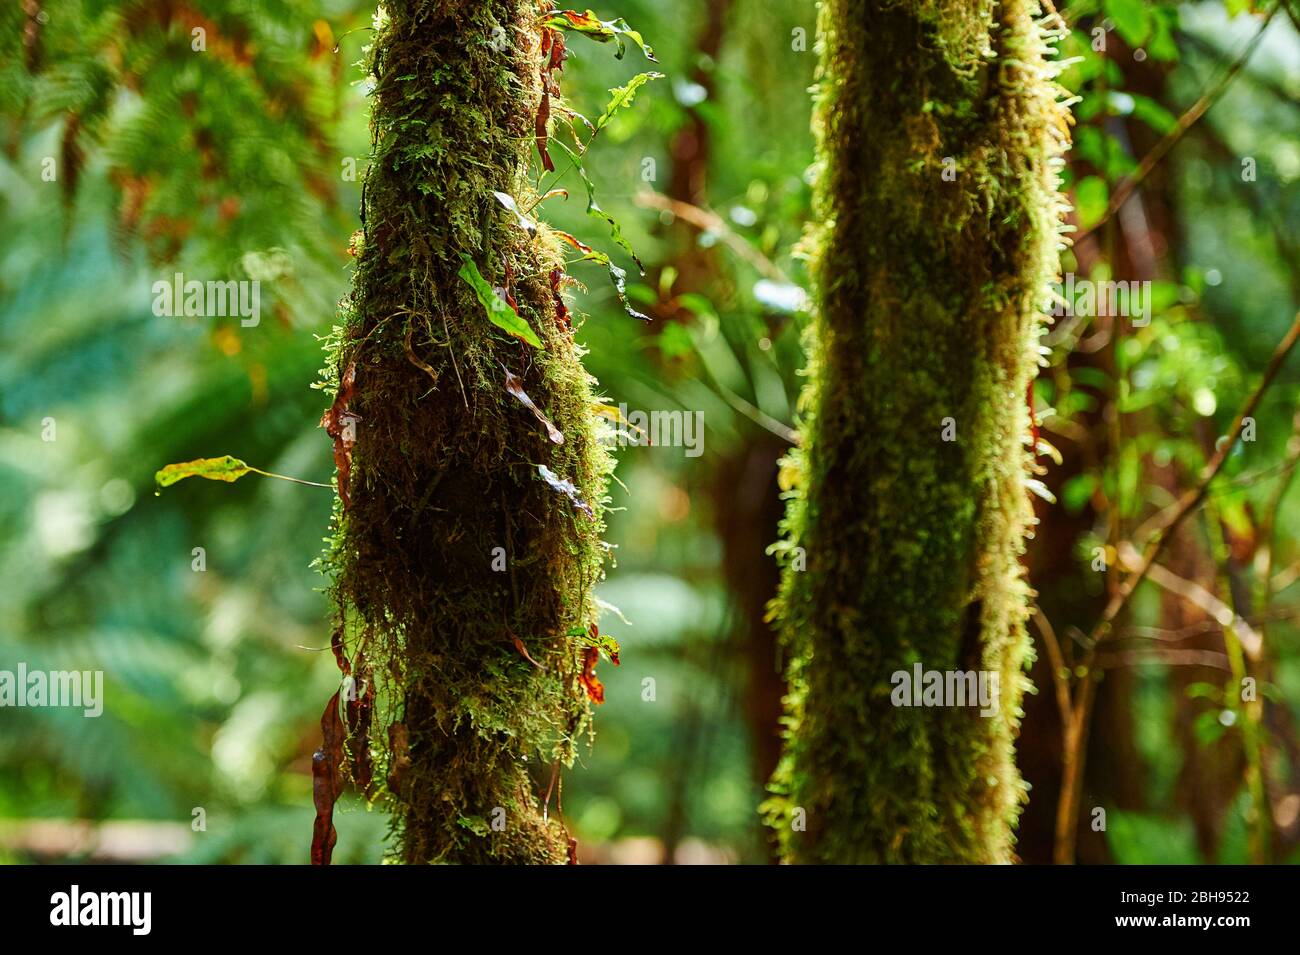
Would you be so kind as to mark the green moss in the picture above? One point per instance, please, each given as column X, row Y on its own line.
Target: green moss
column 927, row 295
column 445, row 464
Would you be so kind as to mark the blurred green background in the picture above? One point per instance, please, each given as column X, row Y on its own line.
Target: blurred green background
column 235, row 161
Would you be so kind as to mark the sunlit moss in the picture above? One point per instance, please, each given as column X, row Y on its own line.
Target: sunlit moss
column 928, row 290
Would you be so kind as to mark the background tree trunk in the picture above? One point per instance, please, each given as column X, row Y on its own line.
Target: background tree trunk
column 927, row 289
column 445, row 466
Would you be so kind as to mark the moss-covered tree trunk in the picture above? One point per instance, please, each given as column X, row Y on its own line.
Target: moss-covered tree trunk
column 927, row 288
column 461, row 573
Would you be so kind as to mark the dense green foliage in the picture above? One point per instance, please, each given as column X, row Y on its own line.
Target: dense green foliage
column 216, row 679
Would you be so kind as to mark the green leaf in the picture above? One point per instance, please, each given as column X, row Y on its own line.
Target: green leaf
column 616, row 275
column 1077, row 491
column 602, row 31
column 621, row 96
column 1131, row 20
column 498, row 310
column 1091, row 197
column 594, row 210
column 1162, row 45
column 224, row 468
column 475, row 824
column 675, row 341
column 1153, row 114
column 1146, row 839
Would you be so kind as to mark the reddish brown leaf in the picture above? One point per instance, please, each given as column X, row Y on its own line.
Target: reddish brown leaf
column 561, row 310
column 558, row 53
column 553, row 53
column 573, row 851
column 505, row 292
column 340, row 424
column 543, row 118
column 602, row 31
column 327, row 782
column 575, row 242
column 516, row 388
column 523, row 652
column 595, row 689
column 579, row 21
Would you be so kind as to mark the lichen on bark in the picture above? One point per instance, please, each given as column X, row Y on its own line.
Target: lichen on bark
column 444, row 470
column 928, row 290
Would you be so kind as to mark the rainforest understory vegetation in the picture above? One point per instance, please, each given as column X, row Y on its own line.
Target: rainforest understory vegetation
column 851, row 431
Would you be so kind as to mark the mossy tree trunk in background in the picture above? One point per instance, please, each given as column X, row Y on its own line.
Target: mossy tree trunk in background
column 927, row 287
column 458, row 570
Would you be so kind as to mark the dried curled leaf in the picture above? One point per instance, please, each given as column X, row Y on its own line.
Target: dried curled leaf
column 327, row 782
column 566, row 488
column 561, row 310
column 523, row 652
column 341, row 425
column 498, row 310
column 553, row 59
column 360, row 708
column 224, row 468
column 590, row 682
column 574, row 241
column 340, row 652
column 602, row 31
column 541, row 130
column 516, row 388
column 616, row 275
column 415, row 359
column 508, row 202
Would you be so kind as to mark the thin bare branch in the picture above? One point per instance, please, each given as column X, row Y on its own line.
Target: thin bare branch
column 1185, row 122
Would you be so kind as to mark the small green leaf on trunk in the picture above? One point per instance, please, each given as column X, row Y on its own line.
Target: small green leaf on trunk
column 498, row 310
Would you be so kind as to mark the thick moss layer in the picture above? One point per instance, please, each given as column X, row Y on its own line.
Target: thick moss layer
column 927, row 290
column 445, row 467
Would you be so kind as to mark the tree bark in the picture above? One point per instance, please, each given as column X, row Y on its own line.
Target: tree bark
column 927, row 290
column 460, row 571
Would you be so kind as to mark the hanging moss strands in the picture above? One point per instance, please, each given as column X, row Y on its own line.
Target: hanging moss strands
column 459, row 570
